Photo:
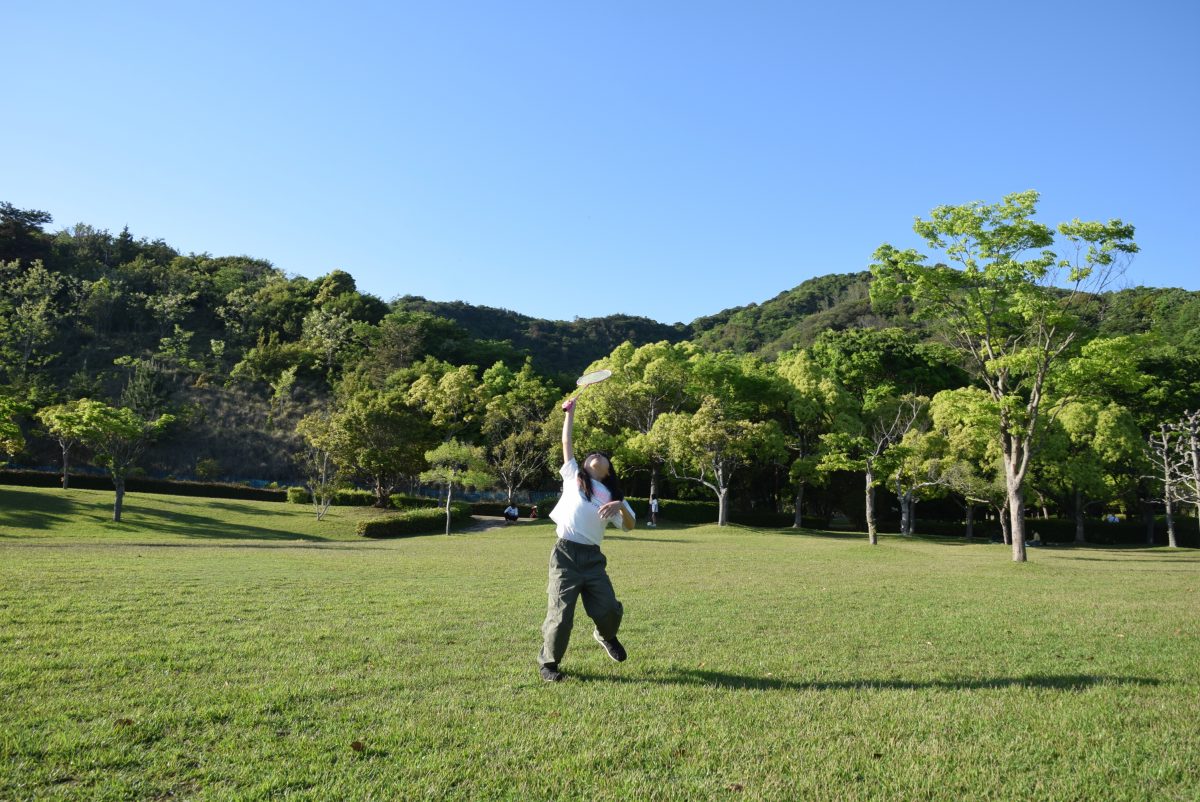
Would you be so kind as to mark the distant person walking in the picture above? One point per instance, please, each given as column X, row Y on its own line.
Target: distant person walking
column 653, row 511
column 591, row 500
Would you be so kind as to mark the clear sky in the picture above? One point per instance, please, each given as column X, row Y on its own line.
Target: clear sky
column 667, row 159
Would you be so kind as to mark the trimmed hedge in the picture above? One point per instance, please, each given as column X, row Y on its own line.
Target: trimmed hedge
column 353, row 497
column 766, row 519
column 403, row 502
column 684, row 512
column 1062, row 531
column 348, row 497
column 415, row 522
column 142, row 484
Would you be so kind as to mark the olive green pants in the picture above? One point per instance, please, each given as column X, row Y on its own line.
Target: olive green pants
column 577, row 570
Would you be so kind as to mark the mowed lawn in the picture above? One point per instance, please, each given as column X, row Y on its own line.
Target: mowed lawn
column 211, row 649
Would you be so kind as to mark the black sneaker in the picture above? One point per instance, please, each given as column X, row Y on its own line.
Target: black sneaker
column 550, row 672
column 611, row 645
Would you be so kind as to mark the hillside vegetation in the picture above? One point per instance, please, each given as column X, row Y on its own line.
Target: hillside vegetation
column 248, row 373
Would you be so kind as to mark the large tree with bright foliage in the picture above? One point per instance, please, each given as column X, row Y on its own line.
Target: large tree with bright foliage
column 1008, row 302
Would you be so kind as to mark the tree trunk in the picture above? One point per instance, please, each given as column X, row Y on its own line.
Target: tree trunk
column 872, row 536
column 1016, row 513
column 970, row 520
column 66, row 449
column 119, row 485
column 382, row 494
column 902, row 497
column 1005, row 534
column 1170, row 522
column 1079, row 538
column 654, row 478
column 1194, row 444
column 798, row 521
column 723, row 506
column 449, row 490
column 1014, row 481
column 912, row 515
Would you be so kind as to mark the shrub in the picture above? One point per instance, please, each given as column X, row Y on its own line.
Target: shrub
column 207, row 469
column 346, row 497
column 403, row 502
column 142, row 484
column 353, row 497
column 422, row 521
column 767, row 519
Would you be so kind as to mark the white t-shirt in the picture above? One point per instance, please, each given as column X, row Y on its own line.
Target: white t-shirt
column 579, row 519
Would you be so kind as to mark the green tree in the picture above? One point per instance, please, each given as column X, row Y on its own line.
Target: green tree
column 514, row 423
column 456, row 464
column 647, row 382
column 328, row 334
column 99, row 302
column 734, row 426
column 817, row 405
column 1003, row 312
column 11, row 439
column 21, row 234
column 918, row 464
column 323, row 474
column 966, row 420
column 1092, row 451
column 449, row 395
column 29, row 310
column 871, row 446
column 68, row 424
column 379, row 439
column 117, row 436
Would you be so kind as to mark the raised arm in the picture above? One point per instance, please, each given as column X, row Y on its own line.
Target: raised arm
column 568, row 425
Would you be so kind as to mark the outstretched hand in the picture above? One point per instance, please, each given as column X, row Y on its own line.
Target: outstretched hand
column 569, row 404
column 611, row 509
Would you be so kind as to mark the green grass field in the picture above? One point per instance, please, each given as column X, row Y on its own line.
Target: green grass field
column 211, row 649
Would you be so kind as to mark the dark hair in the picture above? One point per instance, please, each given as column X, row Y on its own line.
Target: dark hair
column 612, row 482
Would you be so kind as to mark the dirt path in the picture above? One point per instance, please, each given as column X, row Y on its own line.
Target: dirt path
column 484, row 523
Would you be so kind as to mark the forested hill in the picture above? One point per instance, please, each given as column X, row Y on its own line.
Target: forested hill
column 557, row 346
column 792, row 318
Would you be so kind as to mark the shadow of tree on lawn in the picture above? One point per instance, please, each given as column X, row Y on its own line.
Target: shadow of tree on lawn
column 202, row 526
column 22, row 509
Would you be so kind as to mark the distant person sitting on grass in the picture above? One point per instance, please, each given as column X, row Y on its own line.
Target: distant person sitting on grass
column 591, row 500
column 511, row 513
column 533, row 513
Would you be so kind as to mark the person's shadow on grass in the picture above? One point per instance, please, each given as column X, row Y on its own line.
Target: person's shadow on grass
column 719, row 679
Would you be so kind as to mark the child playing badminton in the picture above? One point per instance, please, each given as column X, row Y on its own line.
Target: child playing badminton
column 591, row 500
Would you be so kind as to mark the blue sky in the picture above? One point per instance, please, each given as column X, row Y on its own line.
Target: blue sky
column 567, row 159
